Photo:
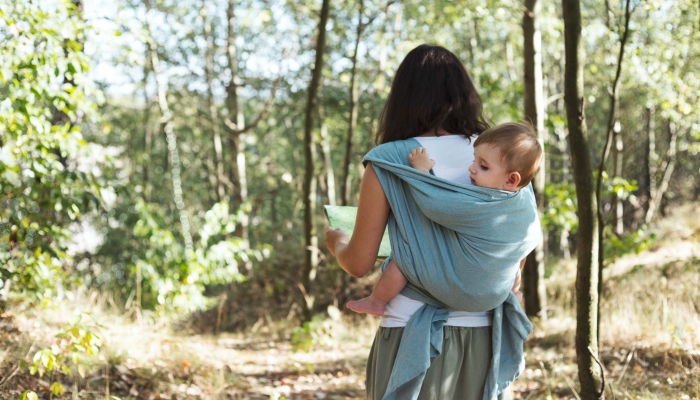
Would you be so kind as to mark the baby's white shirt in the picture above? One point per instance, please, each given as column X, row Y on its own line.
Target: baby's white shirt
column 453, row 154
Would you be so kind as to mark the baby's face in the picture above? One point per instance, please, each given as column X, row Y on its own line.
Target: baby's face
column 488, row 170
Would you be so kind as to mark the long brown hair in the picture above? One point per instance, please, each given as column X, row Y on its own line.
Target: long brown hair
column 431, row 90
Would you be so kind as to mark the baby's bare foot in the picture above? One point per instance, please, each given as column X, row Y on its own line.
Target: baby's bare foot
column 368, row 305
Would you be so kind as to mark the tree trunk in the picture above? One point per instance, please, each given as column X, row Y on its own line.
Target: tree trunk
column 533, row 273
column 667, row 167
column 613, row 129
column 166, row 127
column 619, row 209
column 238, row 130
column 649, row 160
column 328, row 164
column 590, row 374
column 236, row 137
column 211, row 105
column 352, row 115
column 308, row 189
column 473, row 42
column 147, row 131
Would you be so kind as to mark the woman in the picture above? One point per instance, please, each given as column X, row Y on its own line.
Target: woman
column 432, row 100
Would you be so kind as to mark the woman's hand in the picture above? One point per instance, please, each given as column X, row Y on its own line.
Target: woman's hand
column 357, row 255
column 335, row 238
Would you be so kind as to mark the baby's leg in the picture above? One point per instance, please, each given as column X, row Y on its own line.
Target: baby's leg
column 389, row 285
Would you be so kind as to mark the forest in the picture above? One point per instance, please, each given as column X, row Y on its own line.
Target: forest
column 164, row 167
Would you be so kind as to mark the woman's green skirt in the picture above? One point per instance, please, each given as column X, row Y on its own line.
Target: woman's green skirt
column 458, row 373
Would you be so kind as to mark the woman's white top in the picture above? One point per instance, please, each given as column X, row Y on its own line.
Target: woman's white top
column 453, row 154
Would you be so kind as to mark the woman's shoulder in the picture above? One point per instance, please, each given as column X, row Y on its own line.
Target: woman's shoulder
column 396, row 151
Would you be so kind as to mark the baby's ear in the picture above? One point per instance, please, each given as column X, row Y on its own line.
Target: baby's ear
column 513, row 181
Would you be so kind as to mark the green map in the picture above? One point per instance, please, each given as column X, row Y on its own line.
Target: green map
column 344, row 218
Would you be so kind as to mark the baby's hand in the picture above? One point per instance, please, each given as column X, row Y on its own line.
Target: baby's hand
column 419, row 160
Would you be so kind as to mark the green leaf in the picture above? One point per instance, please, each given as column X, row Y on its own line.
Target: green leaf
column 29, row 395
column 57, row 389
column 12, row 177
column 45, row 358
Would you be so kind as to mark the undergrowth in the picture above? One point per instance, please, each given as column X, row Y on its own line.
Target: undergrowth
column 650, row 344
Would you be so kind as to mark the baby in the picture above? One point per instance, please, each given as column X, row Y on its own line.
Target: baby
column 506, row 157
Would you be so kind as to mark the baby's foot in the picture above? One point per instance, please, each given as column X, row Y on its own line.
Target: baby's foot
column 368, row 305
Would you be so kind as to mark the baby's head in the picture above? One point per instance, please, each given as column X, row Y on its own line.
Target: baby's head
column 506, row 157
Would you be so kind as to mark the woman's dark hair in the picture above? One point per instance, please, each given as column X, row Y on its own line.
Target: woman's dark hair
column 431, row 90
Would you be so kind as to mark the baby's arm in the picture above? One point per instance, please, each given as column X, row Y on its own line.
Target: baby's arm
column 420, row 160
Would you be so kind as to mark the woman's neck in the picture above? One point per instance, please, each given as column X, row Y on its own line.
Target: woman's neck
column 439, row 132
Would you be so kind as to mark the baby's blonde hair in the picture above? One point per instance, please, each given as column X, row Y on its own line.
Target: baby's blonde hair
column 520, row 151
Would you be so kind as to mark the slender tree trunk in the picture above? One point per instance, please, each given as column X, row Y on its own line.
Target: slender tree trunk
column 352, row 123
column 308, row 189
column 562, row 148
column 510, row 60
column 613, row 129
column 147, row 131
column 236, row 137
column 667, row 168
column 328, row 163
column 211, row 105
column 473, row 42
column 167, row 128
column 649, row 160
column 533, row 273
column 238, row 130
column 619, row 209
column 590, row 374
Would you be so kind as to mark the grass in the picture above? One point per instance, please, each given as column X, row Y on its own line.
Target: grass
column 650, row 343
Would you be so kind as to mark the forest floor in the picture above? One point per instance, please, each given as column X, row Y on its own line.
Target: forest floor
column 650, row 336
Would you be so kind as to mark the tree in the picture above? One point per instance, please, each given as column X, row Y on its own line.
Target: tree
column 309, row 186
column 612, row 134
column 533, row 273
column 209, row 55
column 46, row 93
column 590, row 371
column 167, row 128
column 352, row 115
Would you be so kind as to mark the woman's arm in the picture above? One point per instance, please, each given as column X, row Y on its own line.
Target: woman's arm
column 358, row 254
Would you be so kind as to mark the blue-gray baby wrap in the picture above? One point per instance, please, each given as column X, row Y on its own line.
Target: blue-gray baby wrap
column 460, row 248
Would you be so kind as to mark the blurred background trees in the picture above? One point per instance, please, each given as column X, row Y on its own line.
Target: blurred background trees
column 154, row 150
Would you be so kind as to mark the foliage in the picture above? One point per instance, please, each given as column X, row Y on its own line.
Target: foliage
column 560, row 212
column 77, row 339
column 173, row 280
column 633, row 242
column 45, row 183
column 64, row 160
column 618, row 186
column 314, row 333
